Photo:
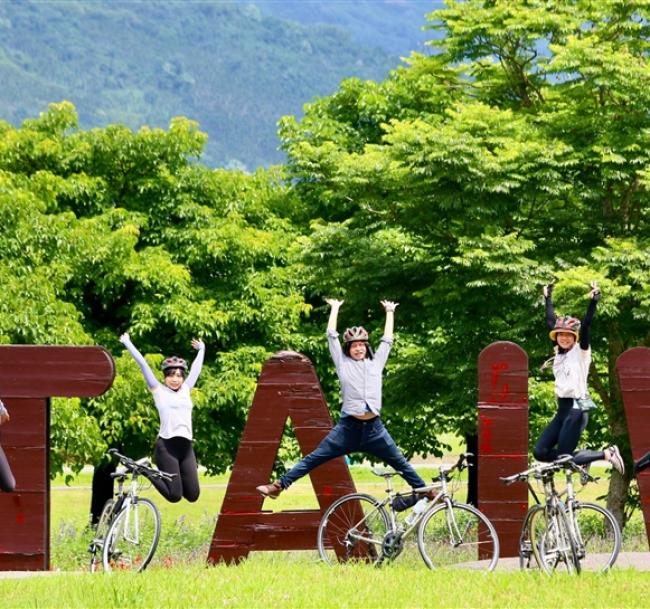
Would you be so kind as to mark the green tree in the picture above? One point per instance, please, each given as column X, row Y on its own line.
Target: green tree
column 514, row 154
column 109, row 231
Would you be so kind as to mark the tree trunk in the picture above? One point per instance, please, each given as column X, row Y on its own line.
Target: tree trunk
column 617, row 496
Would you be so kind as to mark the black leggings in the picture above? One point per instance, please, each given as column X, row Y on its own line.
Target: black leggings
column 176, row 456
column 7, row 480
column 564, row 432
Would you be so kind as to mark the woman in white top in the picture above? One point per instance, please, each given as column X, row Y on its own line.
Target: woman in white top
column 570, row 369
column 174, row 452
column 7, row 480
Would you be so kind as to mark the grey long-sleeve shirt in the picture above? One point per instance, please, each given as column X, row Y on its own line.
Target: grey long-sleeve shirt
column 360, row 380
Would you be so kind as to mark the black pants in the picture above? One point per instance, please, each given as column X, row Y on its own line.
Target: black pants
column 562, row 435
column 176, row 456
column 642, row 463
column 7, row 480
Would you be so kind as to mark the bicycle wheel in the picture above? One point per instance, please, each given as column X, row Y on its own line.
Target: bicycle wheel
column 597, row 536
column 528, row 554
column 353, row 529
column 556, row 547
column 132, row 537
column 99, row 535
column 458, row 535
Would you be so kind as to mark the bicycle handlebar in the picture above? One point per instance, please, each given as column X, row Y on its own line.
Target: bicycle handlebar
column 460, row 465
column 140, row 468
column 564, row 462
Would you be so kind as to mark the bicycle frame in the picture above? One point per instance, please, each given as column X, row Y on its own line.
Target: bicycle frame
column 397, row 527
column 561, row 520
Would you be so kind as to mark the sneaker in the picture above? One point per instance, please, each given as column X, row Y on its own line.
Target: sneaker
column 270, row 490
column 616, row 460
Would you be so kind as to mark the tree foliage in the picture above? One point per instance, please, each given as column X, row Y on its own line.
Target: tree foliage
column 513, row 156
column 107, row 231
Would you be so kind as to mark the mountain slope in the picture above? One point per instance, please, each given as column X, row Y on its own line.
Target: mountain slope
column 229, row 66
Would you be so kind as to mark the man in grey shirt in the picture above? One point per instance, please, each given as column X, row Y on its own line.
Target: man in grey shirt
column 360, row 428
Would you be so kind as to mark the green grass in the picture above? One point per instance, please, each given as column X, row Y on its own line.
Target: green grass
column 276, row 582
column 290, row 579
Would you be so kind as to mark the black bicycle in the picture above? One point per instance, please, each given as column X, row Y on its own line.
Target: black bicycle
column 128, row 530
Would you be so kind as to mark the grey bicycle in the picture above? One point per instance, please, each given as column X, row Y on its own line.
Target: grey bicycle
column 361, row 528
column 128, row 530
column 563, row 533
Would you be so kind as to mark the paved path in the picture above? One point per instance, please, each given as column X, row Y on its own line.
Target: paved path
column 626, row 560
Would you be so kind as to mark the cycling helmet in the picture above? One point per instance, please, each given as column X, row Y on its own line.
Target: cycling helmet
column 566, row 323
column 174, row 362
column 355, row 333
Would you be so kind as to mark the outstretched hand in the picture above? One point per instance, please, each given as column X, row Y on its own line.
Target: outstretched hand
column 198, row 344
column 594, row 294
column 547, row 290
column 125, row 338
column 389, row 305
column 333, row 302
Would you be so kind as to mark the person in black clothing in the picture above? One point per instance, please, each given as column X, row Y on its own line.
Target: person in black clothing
column 7, row 480
column 570, row 369
column 642, row 463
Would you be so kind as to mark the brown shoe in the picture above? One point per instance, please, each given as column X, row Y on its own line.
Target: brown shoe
column 270, row 490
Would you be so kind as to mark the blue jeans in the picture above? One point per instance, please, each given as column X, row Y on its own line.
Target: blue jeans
column 355, row 435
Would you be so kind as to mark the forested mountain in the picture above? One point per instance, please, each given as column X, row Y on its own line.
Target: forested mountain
column 234, row 67
column 392, row 25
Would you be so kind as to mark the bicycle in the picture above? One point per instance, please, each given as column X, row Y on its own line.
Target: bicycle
column 128, row 530
column 565, row 534
column 358, row 527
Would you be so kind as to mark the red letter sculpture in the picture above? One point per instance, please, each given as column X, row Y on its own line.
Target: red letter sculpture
column 503, row 439
column 287, row 388
column 29, row 376
column 633, row 368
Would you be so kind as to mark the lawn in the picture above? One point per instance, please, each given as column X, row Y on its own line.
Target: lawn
column 180, row 577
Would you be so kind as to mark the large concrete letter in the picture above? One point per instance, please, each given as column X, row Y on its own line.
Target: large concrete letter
column 287, row 388
column 503, row 439
column 29, row 376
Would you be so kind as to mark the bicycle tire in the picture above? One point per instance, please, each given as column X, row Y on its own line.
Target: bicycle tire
column 340, row 536
column 557, row 546
column 597, row 536
column 99, row 535
column 527, row 552
column 133, row 537
column 458, row 535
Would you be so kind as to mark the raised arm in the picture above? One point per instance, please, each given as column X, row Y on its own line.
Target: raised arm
column 197, row 364
column 389, row 307
column 148, row 374
column 334, row 313
column 550, row 310
column 585, row 330
column 332, row 335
